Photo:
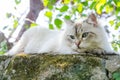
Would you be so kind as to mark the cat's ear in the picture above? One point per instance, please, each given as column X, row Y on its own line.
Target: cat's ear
column 69, row 22
column 92, row 19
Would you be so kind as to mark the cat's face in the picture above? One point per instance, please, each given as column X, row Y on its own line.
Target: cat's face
column 83, row 35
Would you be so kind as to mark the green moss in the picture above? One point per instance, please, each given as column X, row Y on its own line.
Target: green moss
column 116, row 74
column 52, row 67
column 71, row 65
column 23, row 66
column 93, row 61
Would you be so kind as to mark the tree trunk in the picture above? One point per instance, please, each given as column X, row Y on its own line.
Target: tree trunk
column 2, row 37
column 35, row 7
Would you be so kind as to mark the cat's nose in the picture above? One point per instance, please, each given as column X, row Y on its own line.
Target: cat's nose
column 78, row 43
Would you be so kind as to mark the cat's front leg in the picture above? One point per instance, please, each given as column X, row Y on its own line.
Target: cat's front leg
column 101, row 51
column 98, row 51
column 91, row 51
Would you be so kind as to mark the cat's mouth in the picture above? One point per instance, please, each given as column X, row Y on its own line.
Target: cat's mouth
column 80, row 49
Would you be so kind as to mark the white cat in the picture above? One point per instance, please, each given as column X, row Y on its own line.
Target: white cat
column 86, row 36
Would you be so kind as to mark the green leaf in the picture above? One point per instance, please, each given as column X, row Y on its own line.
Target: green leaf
column 111, row 22
column 49, row 3
column 85, row 3
column 74, row 9
column 45, row 2
column 117, row 26
column 58, row 23
column 109, row 1
column 114, row 46
column 8, row 15
column 48, row 14
column 50, row 6
column 64, row 8
column 67, row 17
column 33, row 24
column 15, row 23
column 116, row 75
column 52, row 2
column 103, row 1
column 17, row 1
column 76, row 1
column 3, row 48
column 118, row 78
column 66, row 1
column 98, row 6
column 80, row 7
column 115, row 1
column 92, row 5
column 51, row 26
column 118, row 3
column 118, row 17
column 1, row 52
column 117, row 10
column 108, row 8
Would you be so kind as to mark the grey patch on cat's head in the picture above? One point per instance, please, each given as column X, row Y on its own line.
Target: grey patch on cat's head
column 83, row 35
column 86, row 35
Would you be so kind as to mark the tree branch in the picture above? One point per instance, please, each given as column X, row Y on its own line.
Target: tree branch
column 35, row 7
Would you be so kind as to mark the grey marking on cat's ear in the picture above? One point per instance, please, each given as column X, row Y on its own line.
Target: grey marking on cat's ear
column 92, row 19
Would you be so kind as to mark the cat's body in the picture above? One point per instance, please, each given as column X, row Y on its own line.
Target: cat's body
column 41, row 40
column 76, row 38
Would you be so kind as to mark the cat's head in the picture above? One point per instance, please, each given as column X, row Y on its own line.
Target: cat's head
column 84, row 35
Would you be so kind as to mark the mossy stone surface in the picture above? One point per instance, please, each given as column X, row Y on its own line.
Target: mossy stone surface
column 52, row 67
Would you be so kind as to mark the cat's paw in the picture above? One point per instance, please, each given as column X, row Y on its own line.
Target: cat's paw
column 99, row 51
column 96, row 51
column 103, row 52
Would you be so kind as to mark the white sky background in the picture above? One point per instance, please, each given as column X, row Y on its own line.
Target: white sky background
column 8, row 6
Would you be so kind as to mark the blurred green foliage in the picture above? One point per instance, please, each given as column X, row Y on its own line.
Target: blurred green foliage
column 17, row 1
column 116, row 76
column 3, row 47
column 79, row 6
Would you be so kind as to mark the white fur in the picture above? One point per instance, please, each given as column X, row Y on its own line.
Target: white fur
column 41, row 40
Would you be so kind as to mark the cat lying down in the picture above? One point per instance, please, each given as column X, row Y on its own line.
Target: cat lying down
column 77, row 38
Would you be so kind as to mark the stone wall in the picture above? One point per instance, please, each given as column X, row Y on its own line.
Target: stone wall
column 59, row 67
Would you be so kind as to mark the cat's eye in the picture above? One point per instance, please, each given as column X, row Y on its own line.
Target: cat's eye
column 72, row 36
column 84, row 35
